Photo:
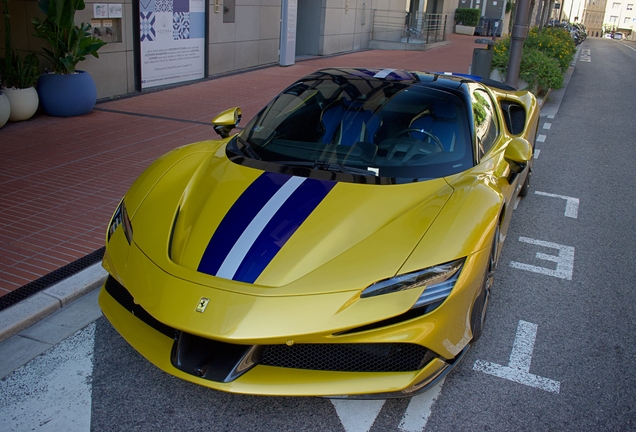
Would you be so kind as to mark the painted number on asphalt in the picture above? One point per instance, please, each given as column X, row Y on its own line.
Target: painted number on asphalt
column 518, row 369
column 564, row 259
column 571, row 204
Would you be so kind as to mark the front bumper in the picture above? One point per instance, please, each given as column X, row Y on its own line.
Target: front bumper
column 159, row 348
column 407, row 357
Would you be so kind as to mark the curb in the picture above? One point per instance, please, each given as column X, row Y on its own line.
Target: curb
column 37, row 307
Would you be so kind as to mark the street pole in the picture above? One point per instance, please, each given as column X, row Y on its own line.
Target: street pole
column 519, row 34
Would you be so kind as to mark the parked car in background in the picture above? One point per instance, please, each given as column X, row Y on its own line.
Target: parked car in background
column 618, row 35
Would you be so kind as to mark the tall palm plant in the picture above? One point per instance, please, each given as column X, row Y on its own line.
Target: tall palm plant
column 69, row 42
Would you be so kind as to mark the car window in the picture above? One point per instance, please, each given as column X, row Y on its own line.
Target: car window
column 485, row 118
column 400, row 129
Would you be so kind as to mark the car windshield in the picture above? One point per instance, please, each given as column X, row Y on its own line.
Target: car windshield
column 400, row 129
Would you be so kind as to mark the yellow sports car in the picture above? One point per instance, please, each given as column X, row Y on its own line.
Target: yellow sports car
column 342, row 244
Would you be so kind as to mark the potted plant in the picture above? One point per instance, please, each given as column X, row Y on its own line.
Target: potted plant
column 65, row 91
column 17, row 79
column 466, row 19
column 5, row 109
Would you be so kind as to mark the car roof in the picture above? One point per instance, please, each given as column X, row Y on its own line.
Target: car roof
column 448, row 80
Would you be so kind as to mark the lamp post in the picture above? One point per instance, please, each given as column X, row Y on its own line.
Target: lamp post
column 519, row 34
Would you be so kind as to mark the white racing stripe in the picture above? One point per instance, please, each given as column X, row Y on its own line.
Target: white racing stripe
column 383, row 73
column 256, row 226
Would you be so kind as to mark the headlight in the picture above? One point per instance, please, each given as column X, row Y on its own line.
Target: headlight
column 121, row 218
column 439, row 281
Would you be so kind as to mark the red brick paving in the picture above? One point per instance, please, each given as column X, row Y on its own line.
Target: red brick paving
column 61, row 178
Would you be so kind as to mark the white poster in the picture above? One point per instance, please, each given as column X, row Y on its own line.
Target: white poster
column 172, row 41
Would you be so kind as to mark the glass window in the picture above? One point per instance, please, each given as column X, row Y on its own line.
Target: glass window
column 400, row 129
column 485, row 120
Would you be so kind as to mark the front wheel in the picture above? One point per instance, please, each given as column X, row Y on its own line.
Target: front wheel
column 480, row 308
column 526, row 184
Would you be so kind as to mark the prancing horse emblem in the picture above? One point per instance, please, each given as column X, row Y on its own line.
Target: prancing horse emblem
column 203, row 303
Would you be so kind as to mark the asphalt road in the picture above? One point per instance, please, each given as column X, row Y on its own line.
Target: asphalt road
column 557, row 352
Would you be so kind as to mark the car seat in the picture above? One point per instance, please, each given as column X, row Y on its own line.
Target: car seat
column 440, row 120
column 346, row 125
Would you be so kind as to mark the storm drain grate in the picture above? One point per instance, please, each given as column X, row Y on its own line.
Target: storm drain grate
column 50, row 279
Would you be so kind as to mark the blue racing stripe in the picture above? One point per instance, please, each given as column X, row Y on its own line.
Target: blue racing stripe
column 238, row 218
column 259, row 223
column 281, row 227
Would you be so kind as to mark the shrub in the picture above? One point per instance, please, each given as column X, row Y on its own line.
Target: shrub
column 467, row 16
column 540, row 71
column 555, row 42
column 546, row 56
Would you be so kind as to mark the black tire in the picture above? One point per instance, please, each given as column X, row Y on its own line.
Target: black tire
column 480, row 308
column 526, row 184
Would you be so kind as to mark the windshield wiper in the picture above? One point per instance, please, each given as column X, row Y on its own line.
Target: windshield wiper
column 247, row 149
column 329, row 166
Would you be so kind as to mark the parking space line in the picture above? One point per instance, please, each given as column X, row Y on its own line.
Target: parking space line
column 419, row 409
column 571, row 204
column 518, row 369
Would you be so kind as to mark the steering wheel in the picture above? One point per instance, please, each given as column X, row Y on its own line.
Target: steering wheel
column 436, row 140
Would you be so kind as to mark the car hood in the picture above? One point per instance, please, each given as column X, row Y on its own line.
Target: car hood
column 246, row 230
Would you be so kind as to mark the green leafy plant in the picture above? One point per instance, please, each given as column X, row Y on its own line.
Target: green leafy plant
column 15, row 71
column 69, row 42
column 18, row 72
column 546, row 57
column 467, row 16
column 540, row 71
column 510, row 6
column 555, row 42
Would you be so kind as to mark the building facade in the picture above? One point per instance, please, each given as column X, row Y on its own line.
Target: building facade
column 153, row 43
column 620, row 16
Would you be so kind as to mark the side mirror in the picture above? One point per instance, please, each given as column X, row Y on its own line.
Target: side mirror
column 226, row 121
column 518, row 154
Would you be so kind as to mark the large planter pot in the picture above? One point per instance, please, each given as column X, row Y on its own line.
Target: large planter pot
column 466, row 30
column 24, row 103
column 67, row 95
column 5, row 109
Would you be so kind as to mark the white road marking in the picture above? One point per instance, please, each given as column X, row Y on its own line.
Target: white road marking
column 517, row 201
column 518, row 369
column 547, row 125
column 625, row 45
column 571, row 204
column 564, row 260
column 419, row 409
column 540, row 138
column 53, row 391
column 551, row 116
column 357, row 415
column 536, row 153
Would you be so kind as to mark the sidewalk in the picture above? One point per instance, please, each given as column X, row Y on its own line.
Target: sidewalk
column 61, row 178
